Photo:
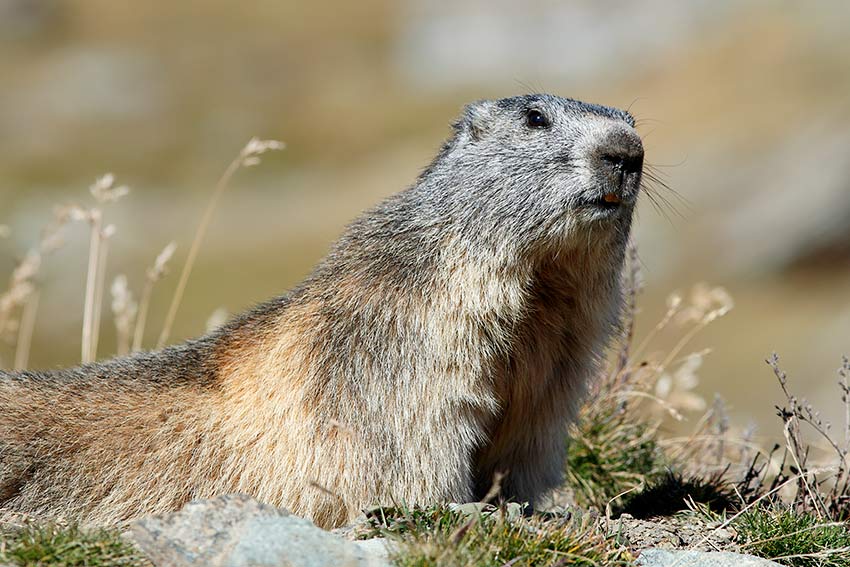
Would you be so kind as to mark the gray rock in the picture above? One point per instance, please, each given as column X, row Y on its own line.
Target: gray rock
column 377, row 547
column 237, row 531
column 686, row 532
column 688, row 558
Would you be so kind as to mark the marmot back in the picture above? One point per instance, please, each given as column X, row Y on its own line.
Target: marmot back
column 448, row 336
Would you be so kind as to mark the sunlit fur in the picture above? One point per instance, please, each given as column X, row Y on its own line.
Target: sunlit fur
column 447, row 337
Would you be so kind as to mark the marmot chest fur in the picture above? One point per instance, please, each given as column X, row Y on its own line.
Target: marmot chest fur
column 447, row 337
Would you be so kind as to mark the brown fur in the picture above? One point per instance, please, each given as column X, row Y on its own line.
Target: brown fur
column 420, row 359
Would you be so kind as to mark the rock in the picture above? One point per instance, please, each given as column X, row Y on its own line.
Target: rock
column 675, row 532
column 377, row 547
column 681, row 558
column 361, row 528
column 237, row 531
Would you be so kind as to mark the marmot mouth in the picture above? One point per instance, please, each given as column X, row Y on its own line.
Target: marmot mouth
column 608, row 202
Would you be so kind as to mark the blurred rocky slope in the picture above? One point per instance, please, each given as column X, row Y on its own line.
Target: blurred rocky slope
column 744, row 107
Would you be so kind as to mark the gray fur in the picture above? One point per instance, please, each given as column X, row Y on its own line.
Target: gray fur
column 448, row 336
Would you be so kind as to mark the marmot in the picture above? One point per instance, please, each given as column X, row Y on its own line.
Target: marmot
column 447, row 337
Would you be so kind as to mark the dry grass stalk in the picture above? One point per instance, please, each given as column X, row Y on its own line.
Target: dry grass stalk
column 124, row 310
column 249, row 156
column 21, row 288
column 22, row 282
column 826, row 497
column 153, row 275
column 707, row 304
column 100, row 285
column 104, row 192
column 25, row 332
column 94, row 219
column 217, row 319
column 633, row 375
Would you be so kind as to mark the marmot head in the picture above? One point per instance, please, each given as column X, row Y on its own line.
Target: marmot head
column 540, row 168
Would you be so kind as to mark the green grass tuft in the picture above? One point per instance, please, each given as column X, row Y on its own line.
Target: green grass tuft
column 609, row 453
column 55, row 546
column 387, row 521
column 440, row 537
column 798, row 539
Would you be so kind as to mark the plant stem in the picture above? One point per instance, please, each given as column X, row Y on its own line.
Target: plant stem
column 193, row 251
column 98, row 305
column 91, row 285
column 25, row 333
column 144, row 306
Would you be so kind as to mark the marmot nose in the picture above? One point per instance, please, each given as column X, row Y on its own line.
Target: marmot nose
column 621, row 150
column 619, row 159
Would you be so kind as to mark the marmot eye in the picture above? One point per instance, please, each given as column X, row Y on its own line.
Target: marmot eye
column 536, row 119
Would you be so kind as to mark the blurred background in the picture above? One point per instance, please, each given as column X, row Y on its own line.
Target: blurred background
column 744, row 108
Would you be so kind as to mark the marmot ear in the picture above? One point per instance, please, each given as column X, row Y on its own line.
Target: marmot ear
column 476, row 118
